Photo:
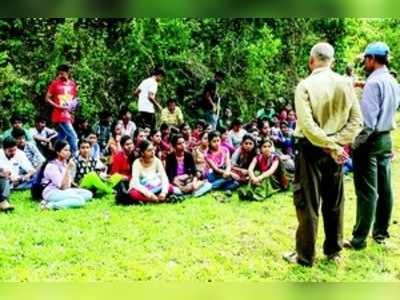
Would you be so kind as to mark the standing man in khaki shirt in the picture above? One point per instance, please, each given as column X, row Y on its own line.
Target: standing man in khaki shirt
column 329, row 118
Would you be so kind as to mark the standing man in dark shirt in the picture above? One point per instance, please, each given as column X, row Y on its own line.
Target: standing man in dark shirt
column 210, row 99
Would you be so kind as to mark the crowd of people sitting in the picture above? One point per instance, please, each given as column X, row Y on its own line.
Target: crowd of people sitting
column 138, row 162
column 141, row 164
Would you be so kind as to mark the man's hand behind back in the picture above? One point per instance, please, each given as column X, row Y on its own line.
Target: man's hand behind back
column 339, row 157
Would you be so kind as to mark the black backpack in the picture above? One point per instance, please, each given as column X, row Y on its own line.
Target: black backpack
column 122, row 197
column 37, row 185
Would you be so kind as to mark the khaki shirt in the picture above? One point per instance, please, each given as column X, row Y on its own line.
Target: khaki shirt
column 175, row 118
column 328, row 111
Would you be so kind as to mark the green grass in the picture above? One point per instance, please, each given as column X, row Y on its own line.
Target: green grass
column 197, row 240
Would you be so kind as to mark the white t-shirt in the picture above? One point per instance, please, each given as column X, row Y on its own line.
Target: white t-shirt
column 236, row 137
column 148, row 178
column 16, row 164
column 146, row 86
column 129, row 129
column 45, row 133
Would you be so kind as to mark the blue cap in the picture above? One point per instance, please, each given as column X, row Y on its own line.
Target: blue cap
column 377, row 48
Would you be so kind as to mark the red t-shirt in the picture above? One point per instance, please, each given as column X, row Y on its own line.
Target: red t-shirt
column 121, row 165
column 62, row 93
column 196, row 134
column 265, row 163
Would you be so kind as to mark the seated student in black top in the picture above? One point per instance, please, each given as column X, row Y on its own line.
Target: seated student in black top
column 91, row 174
column 181, row 169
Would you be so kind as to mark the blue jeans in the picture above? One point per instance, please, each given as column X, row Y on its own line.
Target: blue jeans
column 67, row 131
column 5, row 188
column 348, row 166
column 25, row 185
column 69, row 198
column 205, row 188
column 222, row 183
column 211, row 118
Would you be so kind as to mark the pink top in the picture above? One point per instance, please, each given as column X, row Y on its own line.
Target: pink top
column 165, row 145
column 128, row 129
column 228, row 145
column 218, row 157
column 180, row 168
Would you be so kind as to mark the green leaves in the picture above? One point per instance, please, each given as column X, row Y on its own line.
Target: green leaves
column 3, row 57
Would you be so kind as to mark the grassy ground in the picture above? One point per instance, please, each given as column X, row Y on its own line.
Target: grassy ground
column 197, row 240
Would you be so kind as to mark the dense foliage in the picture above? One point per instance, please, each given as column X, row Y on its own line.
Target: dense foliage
column 264, row 58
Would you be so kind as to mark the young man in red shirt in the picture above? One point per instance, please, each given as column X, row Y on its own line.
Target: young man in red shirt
column 61, row 94
column 123, row 160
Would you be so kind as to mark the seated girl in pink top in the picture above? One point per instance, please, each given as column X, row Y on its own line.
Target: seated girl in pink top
column 219, row 164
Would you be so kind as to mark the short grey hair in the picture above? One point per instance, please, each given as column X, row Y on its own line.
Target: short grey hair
column 323, row 52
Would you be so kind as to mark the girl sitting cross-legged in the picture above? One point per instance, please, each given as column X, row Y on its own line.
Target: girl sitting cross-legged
column 90, row 173
column 266, row 175
column 220, row 171
column 242, row 158
column 149, row 181
column 57, row 180
column 182, row 171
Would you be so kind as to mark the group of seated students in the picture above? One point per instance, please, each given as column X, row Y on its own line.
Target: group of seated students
column 142, row 165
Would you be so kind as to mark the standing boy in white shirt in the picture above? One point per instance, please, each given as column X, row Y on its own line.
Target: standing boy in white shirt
column 146, row 92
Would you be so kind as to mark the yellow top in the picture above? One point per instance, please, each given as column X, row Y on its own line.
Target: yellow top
column 175, row 118
column 328, row 111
